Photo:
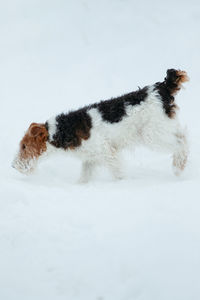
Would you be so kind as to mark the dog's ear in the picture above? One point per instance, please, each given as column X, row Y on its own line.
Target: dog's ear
column 37, row 129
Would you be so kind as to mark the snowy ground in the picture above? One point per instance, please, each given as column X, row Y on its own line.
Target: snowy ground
column 134, row 239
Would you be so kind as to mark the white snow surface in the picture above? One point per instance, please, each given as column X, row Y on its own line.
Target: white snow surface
column 138, row 238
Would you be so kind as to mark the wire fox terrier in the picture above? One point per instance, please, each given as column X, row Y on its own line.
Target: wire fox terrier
column 96, row 133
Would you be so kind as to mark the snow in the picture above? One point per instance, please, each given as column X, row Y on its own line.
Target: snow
column 134, row 239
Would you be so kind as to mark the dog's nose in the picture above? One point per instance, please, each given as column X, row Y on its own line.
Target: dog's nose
column 13, row 166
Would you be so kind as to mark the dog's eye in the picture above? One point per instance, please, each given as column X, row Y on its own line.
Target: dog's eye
column 23, row 146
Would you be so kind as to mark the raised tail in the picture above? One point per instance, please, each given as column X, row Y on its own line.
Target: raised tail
column 168, row 89
column 174, row 79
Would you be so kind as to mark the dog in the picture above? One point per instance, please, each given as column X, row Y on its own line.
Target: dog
column 98, row 132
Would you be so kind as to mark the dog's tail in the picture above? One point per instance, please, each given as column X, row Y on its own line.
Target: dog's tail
column 168, row 89
column 174, row 79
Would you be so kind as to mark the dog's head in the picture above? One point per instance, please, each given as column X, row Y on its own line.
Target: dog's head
column 33, row 144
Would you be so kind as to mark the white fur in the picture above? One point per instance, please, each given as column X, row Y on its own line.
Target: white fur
column 26, row 166
column 52, row 127
column 145, row 124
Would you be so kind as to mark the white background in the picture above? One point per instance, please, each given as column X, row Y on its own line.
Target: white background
column 134, row 239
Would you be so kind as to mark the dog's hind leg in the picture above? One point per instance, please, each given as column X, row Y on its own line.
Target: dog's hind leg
column 180, row 154
column 171, row 138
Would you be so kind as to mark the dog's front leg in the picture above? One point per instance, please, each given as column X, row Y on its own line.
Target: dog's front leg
column 86, row 172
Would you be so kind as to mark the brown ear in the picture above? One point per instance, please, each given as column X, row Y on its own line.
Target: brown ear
column 37, row 129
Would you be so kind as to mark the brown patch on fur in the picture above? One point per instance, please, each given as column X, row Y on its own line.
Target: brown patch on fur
column 83, row 134
column 172, row 113
column 33, row 143
column 80, row 135
column 181, row 78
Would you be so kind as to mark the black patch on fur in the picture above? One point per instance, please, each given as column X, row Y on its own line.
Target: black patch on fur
column 46, row 126
column 114, row 110
column 166, row 97
column 71, row 129
column 76, row 125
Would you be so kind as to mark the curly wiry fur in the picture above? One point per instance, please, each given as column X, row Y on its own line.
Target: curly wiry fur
column 114, row 110
column 169, row 87
column 96, row 133
column 71, row 129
